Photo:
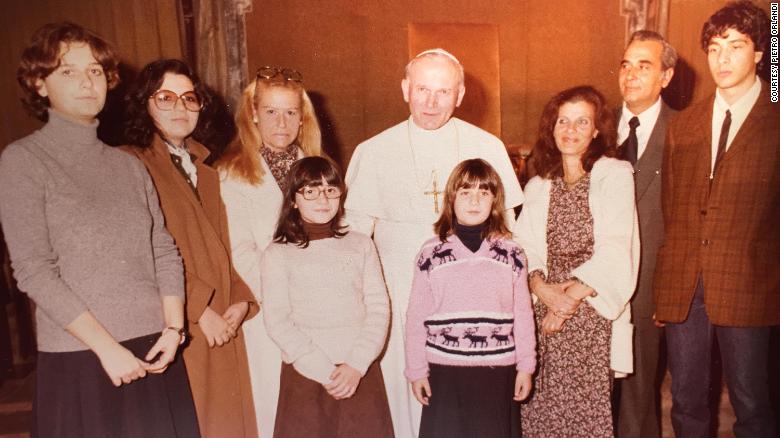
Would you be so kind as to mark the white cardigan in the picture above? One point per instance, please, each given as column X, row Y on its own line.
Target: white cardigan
column 613, row 268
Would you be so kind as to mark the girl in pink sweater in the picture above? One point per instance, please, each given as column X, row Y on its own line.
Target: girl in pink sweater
column 470, row 342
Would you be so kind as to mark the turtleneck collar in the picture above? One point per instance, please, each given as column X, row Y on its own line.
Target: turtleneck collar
column 317, row 231
column 64, row 130
column 470, row 235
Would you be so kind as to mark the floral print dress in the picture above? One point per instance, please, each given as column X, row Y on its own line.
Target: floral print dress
column 573, row 384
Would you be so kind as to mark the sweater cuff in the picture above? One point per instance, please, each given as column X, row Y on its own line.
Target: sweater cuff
column 359, row 364
column 413, row 375
column 527, row 366
column 315, row 366
column 67, row 310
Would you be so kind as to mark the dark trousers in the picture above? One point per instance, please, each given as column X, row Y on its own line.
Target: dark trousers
column 639, row 392
column 744, row 355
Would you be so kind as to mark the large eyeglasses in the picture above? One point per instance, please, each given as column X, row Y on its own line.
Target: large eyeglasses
column 311, row 193
column 165, row 100
column 288, row 74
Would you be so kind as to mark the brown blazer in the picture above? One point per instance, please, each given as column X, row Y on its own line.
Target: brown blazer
column 219, row 376
column 728, row 235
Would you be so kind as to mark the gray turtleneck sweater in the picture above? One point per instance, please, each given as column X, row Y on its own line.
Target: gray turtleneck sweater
column 85, row 232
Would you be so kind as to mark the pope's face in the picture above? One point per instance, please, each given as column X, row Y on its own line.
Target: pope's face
column 77, row 87
column 433, row 90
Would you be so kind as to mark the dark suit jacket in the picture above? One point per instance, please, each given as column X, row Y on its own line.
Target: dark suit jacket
column 729, row 234
column 647, row 177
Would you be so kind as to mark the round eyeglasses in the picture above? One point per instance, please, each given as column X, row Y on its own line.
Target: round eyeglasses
column 288, row 74
column 165, row 100
column 311, row 193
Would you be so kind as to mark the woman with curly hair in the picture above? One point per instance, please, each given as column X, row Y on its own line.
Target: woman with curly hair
column 580, row 233
column 88, row 244
column 276, row 126
column 167, row 108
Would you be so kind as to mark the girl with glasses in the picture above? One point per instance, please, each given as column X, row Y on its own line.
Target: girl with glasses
column 276, row 126
column 168, row 109
column 327, row 309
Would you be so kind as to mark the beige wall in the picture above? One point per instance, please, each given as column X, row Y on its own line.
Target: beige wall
column 141, row 31
column 352, row 52
column 352, row 55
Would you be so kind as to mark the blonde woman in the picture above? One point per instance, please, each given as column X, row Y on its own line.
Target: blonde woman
column 276, row 126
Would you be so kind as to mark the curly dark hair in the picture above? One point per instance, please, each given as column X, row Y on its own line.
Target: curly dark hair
column 308, row 171
column 139, row 126
column 743, row 16
column 546, row 156
column 42, row 57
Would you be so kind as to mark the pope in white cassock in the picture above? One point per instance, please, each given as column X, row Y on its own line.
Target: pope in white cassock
column 395, row 182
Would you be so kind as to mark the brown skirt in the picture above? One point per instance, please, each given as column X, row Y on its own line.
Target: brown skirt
column 306, row 409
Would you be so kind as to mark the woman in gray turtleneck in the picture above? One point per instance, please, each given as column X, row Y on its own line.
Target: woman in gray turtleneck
column 88, row 245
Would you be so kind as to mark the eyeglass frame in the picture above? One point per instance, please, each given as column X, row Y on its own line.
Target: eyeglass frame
column 178, row 97
column 321, row 190
column 288, row 74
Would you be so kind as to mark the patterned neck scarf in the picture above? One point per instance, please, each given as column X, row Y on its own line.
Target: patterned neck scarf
column 280, row 162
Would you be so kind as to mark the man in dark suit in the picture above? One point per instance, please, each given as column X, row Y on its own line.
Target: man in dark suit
column 718, row 273
column 646, row 69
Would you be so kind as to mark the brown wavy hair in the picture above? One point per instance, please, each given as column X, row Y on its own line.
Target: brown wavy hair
column 468, row 174
column 308, row 171
column 547, row 158
column 240, row 158
column 42, row 57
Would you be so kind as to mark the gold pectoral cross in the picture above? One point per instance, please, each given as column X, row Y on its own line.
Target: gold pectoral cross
column 435, row 192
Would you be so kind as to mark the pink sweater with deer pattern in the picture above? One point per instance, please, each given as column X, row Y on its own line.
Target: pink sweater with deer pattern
column 469, row 308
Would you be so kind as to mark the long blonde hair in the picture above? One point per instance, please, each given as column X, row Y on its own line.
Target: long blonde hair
column 241, row 159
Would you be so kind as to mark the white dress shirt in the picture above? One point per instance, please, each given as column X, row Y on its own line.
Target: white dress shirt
column 647, row 121
column 739, row 112
column 186, row 161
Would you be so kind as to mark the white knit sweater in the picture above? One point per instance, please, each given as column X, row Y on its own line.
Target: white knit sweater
column 325, row 304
